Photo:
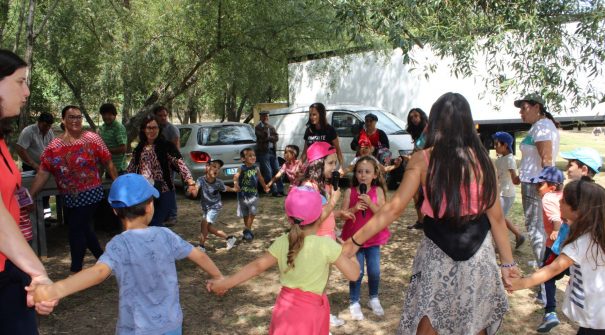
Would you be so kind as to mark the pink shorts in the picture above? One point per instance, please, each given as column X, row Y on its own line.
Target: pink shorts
column 298, row 312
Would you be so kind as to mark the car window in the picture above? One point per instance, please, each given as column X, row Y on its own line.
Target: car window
column 344, row 123
column 226, row 134
column 184, row 134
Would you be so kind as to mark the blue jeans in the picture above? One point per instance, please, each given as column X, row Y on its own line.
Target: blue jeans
column 81, row 234
column 162, row 207
column 550, row 288
column 371, row 256
column 269, row 168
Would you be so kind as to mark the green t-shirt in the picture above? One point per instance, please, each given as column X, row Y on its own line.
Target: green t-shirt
column 114, row 135
column 312, row 264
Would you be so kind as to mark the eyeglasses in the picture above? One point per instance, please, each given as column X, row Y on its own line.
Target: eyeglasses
column 74, row 117
column 152, row 128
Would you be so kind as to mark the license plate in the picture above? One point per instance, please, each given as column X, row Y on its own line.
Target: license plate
column 230, row 171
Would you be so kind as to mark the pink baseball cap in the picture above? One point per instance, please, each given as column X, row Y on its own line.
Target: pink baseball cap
column 303, row 205
column 319, row 150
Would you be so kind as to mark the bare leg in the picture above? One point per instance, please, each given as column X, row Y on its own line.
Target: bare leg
column 216, row 232
column 248, row 221
column 513, row 228
column 204, row 231
column 425, row 327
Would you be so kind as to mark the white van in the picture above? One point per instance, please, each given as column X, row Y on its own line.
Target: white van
column 291, row 123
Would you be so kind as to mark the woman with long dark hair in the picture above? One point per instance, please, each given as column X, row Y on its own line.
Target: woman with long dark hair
column 155, row 158
column 417, row 121
column 456, row 285
column 19, row 265
column 319, row 130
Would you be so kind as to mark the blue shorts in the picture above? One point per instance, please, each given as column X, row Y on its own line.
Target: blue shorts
column 246, row 206
column 210, row 215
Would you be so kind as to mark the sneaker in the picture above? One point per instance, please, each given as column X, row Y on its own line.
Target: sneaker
column 550, row 321
column 335, row 321
column 374, row 304
column 248, row 236
column 355, row 310
column 202, row 248
column 519, row 241
column 231, row 242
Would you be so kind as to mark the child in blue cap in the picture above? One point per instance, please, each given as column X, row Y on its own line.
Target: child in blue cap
column 143, row 261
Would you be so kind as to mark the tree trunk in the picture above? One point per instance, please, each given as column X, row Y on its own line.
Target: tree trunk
column 28, row 57
column 3, row 17
column 77, row 92
column 19, row 25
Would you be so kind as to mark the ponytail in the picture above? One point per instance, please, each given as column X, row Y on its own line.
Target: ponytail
column 549, row 116
column 296, row 240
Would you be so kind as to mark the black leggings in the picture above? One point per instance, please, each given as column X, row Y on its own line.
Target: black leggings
column 15, row 316
column 590, row 331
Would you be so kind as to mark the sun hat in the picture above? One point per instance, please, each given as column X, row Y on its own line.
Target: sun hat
column 319, row 150
column 587, row 156
column 549, row 174
column 532, row 97
column 303, row 205
column 505, row 138
column 129, row 190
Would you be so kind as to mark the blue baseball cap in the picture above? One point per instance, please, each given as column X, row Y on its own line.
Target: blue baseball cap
column 504, row 137
column 587, row 156
column 129, row 190
column 549, row 174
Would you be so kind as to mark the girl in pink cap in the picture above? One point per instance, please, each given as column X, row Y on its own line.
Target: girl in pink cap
column 304, row 261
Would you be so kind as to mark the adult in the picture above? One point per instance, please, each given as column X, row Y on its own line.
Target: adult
column 417, row 121
column 73, row 158
column 113, row 134
column 19, row 265
column 538, row 150
column 378, row 138
column 32, row 141
column 171, row 133
column 456, row 285
column 319, row 130
column 266, row 142
column 156, row 158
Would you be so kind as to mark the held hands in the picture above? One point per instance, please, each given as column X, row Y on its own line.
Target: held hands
column 267, row 189
column 38, row 295
column 510, row 278
column 218, row 286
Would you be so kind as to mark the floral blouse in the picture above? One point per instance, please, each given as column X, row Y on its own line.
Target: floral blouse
column 152, row 171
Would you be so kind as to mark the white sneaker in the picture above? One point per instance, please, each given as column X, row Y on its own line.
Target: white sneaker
column 374, row 304
column 231, row 242
column 202, row 249
column 335, row 321
column 355, row 310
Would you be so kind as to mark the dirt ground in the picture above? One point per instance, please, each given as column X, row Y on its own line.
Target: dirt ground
column 247, row 309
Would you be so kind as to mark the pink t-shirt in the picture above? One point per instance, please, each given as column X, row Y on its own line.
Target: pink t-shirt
column 328, row 226
column 291, row 169
column 351, row 227
column 551, row 211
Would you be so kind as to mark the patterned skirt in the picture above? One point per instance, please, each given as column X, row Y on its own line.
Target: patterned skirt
column 459, row 298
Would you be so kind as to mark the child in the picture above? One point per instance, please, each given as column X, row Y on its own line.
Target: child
column 363, row 200
column 292, row 167
column 142, row 259
column 321, row 163
column 549, row 184
column 506, row 169
column 246, row 180
column 582, row 162
column 584, row 252
column 365, row 148
column 304, row 262
column 211, row 202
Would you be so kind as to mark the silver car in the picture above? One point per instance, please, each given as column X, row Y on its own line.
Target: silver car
column 201, row 142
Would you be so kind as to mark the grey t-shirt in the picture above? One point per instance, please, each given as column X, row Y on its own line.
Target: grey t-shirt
column 32, row 140
column 143, row 261
column 211, row 193
column 170, row 132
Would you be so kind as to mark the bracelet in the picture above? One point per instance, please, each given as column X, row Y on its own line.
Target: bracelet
column 513, row 264
column 355, row 242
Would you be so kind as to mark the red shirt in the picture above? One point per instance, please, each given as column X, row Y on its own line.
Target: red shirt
column 11, row 180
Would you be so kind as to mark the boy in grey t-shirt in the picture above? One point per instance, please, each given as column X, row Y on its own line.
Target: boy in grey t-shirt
column 211, row 189
column 143, row 261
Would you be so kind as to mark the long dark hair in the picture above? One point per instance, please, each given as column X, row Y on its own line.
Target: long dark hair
column 416, row 130
column 457, row 159
column 9, row 63
column 587, row 199
column 545, row 112
column 321, row 109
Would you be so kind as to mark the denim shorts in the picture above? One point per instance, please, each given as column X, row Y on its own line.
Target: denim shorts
column 210, row 215
column 246, row 206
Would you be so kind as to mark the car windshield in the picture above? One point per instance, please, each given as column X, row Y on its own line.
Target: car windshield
column 388, row 123
column 226, row 134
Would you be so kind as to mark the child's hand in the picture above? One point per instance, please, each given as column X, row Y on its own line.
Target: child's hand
column 218, row 286
column 360, row 206
column 365, row 199
column 269, row 184
column 509, row 275
column 554, row 235
column 397, row 161
column 236, row 188
column 347, row 215
column 267, row 189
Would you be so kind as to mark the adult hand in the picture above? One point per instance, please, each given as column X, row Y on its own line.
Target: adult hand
column 43, row 307
column 508, row 275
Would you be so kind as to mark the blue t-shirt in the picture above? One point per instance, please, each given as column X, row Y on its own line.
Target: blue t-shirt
column 143, row 261
column 248, row 181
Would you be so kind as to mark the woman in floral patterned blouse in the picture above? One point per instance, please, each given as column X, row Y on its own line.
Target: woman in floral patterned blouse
column 155, row 158
column 73, row 159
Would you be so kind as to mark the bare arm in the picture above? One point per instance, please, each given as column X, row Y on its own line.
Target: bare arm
column 205, row 263
column 111, row 169
column 329, row 207
column 250, row 270
column 120, row 149
column 545, row 152
column 341, row 161
column 261, row 180
column 80, row 281
column 514, row 177
column 348, row 266
column 557, row 266
column 25, row 157
column 39, row 181
column 303, row 155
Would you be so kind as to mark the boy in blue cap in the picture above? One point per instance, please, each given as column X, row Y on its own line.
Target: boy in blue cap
column 582, row 162
column 143, row 261
column 506, row 168
column 550, row 187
